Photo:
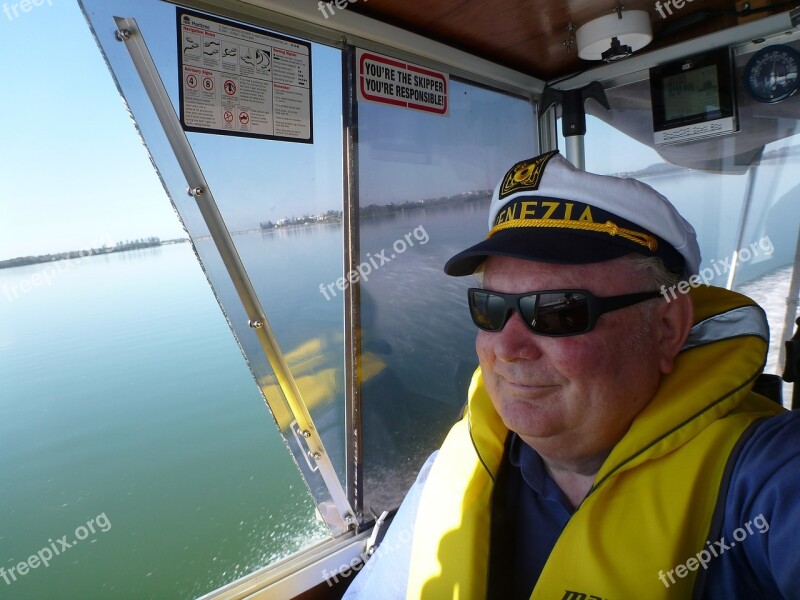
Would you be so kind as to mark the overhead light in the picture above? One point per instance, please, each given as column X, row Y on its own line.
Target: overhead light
column 614, row 36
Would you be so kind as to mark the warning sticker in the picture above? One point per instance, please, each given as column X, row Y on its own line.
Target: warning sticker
column 390, row 81
column 239, row 80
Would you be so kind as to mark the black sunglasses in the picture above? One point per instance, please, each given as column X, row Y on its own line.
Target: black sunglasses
column 552, row 312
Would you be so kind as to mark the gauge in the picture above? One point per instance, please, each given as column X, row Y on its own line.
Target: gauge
column 771, row 73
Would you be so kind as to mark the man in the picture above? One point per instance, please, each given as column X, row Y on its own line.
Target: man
column 612, row 448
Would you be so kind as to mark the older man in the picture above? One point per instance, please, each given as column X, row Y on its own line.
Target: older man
column 612, row 447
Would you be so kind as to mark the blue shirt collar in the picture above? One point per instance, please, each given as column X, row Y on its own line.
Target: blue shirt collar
column 534, row 474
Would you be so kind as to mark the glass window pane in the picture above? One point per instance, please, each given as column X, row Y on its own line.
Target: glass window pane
column 125, row 397
column 738, row 191
column 424, row 188
column 281, row 204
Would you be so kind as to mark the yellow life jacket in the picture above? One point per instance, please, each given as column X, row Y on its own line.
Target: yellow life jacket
column 651, row 504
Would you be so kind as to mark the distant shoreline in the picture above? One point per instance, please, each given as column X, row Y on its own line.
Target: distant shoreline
column 290, row 224
column 24, row 261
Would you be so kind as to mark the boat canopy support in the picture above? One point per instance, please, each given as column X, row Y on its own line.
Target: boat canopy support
column 342, row 518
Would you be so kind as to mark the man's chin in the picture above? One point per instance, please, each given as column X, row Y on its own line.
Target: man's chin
column 530, row 419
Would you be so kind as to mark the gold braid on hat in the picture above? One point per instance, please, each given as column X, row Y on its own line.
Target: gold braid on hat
column 608, row 227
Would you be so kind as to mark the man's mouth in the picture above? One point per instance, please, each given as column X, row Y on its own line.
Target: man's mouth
column 530, row 388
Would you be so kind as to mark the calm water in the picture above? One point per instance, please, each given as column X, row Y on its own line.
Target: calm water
column 124, row 394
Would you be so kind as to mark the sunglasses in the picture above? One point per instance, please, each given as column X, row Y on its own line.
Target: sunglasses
column 553, row 312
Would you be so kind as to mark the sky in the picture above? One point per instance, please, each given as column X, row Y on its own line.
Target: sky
column 73, row 172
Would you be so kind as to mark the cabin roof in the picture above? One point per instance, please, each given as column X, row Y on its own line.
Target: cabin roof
column 529, row 35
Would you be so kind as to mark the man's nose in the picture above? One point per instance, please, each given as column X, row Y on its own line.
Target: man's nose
column 516, row 341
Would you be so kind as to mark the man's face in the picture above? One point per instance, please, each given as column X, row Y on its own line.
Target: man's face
column 570, row 397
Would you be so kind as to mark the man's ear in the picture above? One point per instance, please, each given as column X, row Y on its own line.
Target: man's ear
column 674, row 319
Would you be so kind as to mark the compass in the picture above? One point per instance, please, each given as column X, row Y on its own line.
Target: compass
column 771, row 74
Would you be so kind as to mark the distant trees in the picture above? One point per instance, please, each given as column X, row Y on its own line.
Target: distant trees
column 331, row 216
column 104, row 249
column 138, row 243
column 380, row 210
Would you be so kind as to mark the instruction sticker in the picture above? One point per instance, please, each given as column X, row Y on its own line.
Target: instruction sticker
column 386, row 80
column 239, row 80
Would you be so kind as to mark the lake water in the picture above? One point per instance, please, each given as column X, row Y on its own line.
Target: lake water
column 124, row 395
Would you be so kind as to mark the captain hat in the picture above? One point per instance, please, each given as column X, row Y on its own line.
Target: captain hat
column 545, row 209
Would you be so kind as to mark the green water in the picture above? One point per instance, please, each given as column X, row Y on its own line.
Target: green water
column 124, row 394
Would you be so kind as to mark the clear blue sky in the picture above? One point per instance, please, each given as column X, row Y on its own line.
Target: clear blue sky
column 73, row 171
column 69, row 152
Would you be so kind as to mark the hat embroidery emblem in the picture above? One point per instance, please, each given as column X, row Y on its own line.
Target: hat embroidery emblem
column 525, row 175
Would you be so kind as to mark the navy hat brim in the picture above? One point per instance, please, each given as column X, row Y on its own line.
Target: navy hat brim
column 550, row 246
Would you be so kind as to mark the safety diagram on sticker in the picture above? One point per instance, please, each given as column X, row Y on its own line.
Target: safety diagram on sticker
column 238, row 80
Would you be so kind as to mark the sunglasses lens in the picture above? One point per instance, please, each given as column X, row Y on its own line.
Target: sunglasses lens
column 560, row 313
column 488, row 310
column 546, row 313
column 527, row 306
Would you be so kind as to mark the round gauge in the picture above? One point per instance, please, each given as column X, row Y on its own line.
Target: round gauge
column 771, row 73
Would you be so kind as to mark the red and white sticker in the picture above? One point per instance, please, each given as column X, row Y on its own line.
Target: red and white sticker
column 386, row 80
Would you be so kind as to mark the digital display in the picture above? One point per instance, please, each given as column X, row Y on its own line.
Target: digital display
column 693, row 98
column 693, row 92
